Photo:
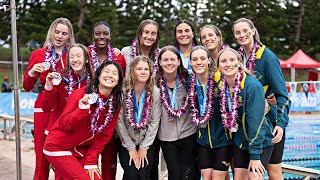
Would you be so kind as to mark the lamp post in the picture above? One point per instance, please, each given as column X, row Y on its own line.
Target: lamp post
column 16, row 86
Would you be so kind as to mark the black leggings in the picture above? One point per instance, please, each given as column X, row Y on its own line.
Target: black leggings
column 180, row 157
column 131, row 172
column 277, row 153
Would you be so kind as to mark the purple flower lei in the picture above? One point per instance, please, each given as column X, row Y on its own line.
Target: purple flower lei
column 108, row 114
column 94, row 62
column 229, row 119
column 164, row 99
column 146, row 116
column 195, row 116
column 70, row 88
column 48, row 57
column 135, row 53
column 250, row 63
column 223, row 46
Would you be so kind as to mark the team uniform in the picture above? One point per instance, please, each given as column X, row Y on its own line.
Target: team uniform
column 214, row 141
column 268, row 72
column 109, row 154
column 252, row 141
column 41, row 118
column 71, row 146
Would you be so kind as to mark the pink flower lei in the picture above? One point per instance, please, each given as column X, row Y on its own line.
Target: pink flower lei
column 94, row 62
column 229, row 119
column 135, row 53
column 250, row 63
column 195, row 115
column 49, row 58
column 164, row 99
column 130, row 111
column 108, row 114
column 71, row 84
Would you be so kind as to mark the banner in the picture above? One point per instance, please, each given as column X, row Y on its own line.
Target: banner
column 300, row 102
column 27, row 100
column 293, row 87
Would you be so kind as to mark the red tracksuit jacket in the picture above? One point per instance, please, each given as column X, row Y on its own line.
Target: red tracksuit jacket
column 54, row 98
column 71, row 135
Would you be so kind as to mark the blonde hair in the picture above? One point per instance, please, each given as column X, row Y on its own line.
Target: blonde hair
column 256, row 36
column 216, row 31
column 130, row 79
column 238, row 57
column 52, row 28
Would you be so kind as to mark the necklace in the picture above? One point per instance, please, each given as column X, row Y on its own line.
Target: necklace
column 135, row 52
column 130, row 106
column 250, row 63
column 229, row 118
column 71, row 84
column 50, row 56
column 207, row 110
column 170, row 105
column 94, row 61
column 108, row 108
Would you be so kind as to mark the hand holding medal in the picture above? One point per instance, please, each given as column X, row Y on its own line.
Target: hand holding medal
column 93, row 97
column 46, row 65
column 57, row 79
column 53, row 78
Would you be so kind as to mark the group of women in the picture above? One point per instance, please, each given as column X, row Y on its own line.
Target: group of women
column 207, row 106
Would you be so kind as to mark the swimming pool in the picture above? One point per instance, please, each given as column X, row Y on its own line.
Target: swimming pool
column 302, row 146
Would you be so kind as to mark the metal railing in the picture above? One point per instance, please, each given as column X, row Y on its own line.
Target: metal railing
column 307, row 173
column 10, row 131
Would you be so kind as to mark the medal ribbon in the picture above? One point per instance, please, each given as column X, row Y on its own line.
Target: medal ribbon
column 138, row 108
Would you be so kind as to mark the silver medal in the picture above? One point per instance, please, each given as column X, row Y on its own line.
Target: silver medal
column 56, row 80
column 46, row 65
column 93, row 98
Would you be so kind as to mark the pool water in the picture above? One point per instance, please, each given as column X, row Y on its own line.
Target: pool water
column 302, row 145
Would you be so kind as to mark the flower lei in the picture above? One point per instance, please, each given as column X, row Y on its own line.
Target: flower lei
column 108, row 114
column 135, row 53
column 196, row 118
column 130, row 112
column 164, row 99
column 71, row 85
column 229, row 119
column 223, row 46
column 94, row 62
column 250, row 63
column 48, row 57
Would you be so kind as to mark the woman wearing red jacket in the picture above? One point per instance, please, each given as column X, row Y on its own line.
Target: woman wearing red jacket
column 77, row 74
column 100, row 50
column 87, row 123
column 42, row 61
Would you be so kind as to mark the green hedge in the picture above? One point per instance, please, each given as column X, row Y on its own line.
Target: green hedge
column 6, row 54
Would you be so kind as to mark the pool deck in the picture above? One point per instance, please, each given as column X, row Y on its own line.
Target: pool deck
column 8, row 156
column 8, row 160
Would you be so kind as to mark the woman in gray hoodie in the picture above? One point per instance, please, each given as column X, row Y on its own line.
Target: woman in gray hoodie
column 138, row 120
column 176, row 133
